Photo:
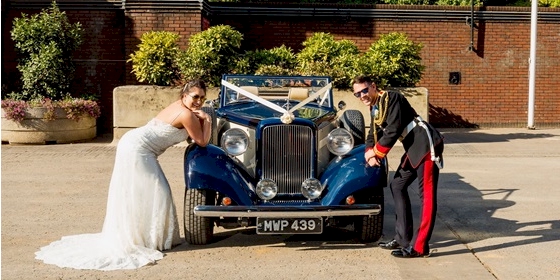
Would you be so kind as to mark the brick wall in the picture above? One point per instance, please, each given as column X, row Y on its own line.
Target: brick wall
column 184, row 23
column 494, row 77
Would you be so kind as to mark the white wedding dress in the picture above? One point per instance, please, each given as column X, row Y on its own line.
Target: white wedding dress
column 141, row 219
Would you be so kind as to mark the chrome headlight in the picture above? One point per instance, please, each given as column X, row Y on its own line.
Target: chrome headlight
column 235, row 141
column 311, row 188
column 267, row 189
column 340, row 141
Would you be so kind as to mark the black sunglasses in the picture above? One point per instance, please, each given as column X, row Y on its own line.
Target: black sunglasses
column 198, row 97
column 363, row 91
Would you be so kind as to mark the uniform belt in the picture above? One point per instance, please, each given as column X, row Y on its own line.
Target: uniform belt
column 411, row 126
column 419, row 121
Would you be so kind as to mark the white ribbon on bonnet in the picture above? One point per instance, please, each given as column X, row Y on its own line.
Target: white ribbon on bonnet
column 287, row 116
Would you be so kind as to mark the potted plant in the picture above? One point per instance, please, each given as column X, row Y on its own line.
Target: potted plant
column 44, row 111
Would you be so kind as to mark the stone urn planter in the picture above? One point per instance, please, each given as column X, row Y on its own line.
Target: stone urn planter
column 35, row 129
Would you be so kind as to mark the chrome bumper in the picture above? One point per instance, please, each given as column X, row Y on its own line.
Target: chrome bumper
column 276, row 211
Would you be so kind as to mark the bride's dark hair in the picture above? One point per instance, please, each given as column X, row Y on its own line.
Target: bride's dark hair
column 193, row 83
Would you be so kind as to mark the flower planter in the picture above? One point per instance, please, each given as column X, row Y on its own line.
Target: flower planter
column 35, row 129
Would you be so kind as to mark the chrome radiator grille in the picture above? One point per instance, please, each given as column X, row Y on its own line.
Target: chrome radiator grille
column 287, row 156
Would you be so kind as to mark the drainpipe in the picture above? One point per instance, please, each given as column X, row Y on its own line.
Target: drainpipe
column 532, row 62
column 471, row 47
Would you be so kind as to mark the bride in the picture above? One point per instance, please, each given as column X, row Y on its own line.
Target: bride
column 141, row 220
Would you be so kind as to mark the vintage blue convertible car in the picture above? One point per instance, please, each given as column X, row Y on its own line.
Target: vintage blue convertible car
column 284, row 160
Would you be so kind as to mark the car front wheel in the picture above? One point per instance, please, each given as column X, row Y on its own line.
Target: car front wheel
column 198, row 230
column 370, row 228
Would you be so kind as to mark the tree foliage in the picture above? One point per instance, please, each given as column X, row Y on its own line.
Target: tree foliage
column 45, row 43
column 523, row 3
column 276, row 61
column 393, row 60
column 155, row 61
column 211, row 53
column 323, row 55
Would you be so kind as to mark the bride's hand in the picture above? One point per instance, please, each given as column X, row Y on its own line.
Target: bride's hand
column 202, row 115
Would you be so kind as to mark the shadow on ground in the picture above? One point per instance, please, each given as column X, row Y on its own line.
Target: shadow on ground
column 461, row 136
column 464, row 212
column 469, row 214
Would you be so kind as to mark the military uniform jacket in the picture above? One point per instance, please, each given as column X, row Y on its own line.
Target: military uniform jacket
column 399, row 113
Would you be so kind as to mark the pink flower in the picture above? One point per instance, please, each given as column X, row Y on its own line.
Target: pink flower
column 74, row 108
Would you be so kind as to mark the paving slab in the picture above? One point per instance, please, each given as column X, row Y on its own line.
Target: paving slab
column 499, row 196
column 497, row 216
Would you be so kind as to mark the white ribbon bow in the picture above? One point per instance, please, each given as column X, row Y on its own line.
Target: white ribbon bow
column 287, row 116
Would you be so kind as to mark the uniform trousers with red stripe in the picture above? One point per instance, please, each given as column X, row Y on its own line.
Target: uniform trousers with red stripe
column 427, row 174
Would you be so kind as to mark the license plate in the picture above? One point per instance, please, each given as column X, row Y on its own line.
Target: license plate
column 289, row 225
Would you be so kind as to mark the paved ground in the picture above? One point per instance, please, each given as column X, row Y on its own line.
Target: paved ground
column 498, row 217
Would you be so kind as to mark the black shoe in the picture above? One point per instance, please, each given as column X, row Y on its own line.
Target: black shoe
column 407, row 253
column 391, row 245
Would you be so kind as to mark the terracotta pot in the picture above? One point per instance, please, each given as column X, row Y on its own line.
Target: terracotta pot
column 34, row 129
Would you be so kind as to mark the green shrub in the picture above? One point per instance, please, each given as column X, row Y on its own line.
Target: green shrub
column 457, row 2
column 274, row 70
column 410, row 2
column 549, row 3
column 155, row 60
column 323, row 47
column 211, row 53
column 45, row 43
column 323, row 55
column 393, row 60
column 525, row 3
column 276, row 61
column 344, row 69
